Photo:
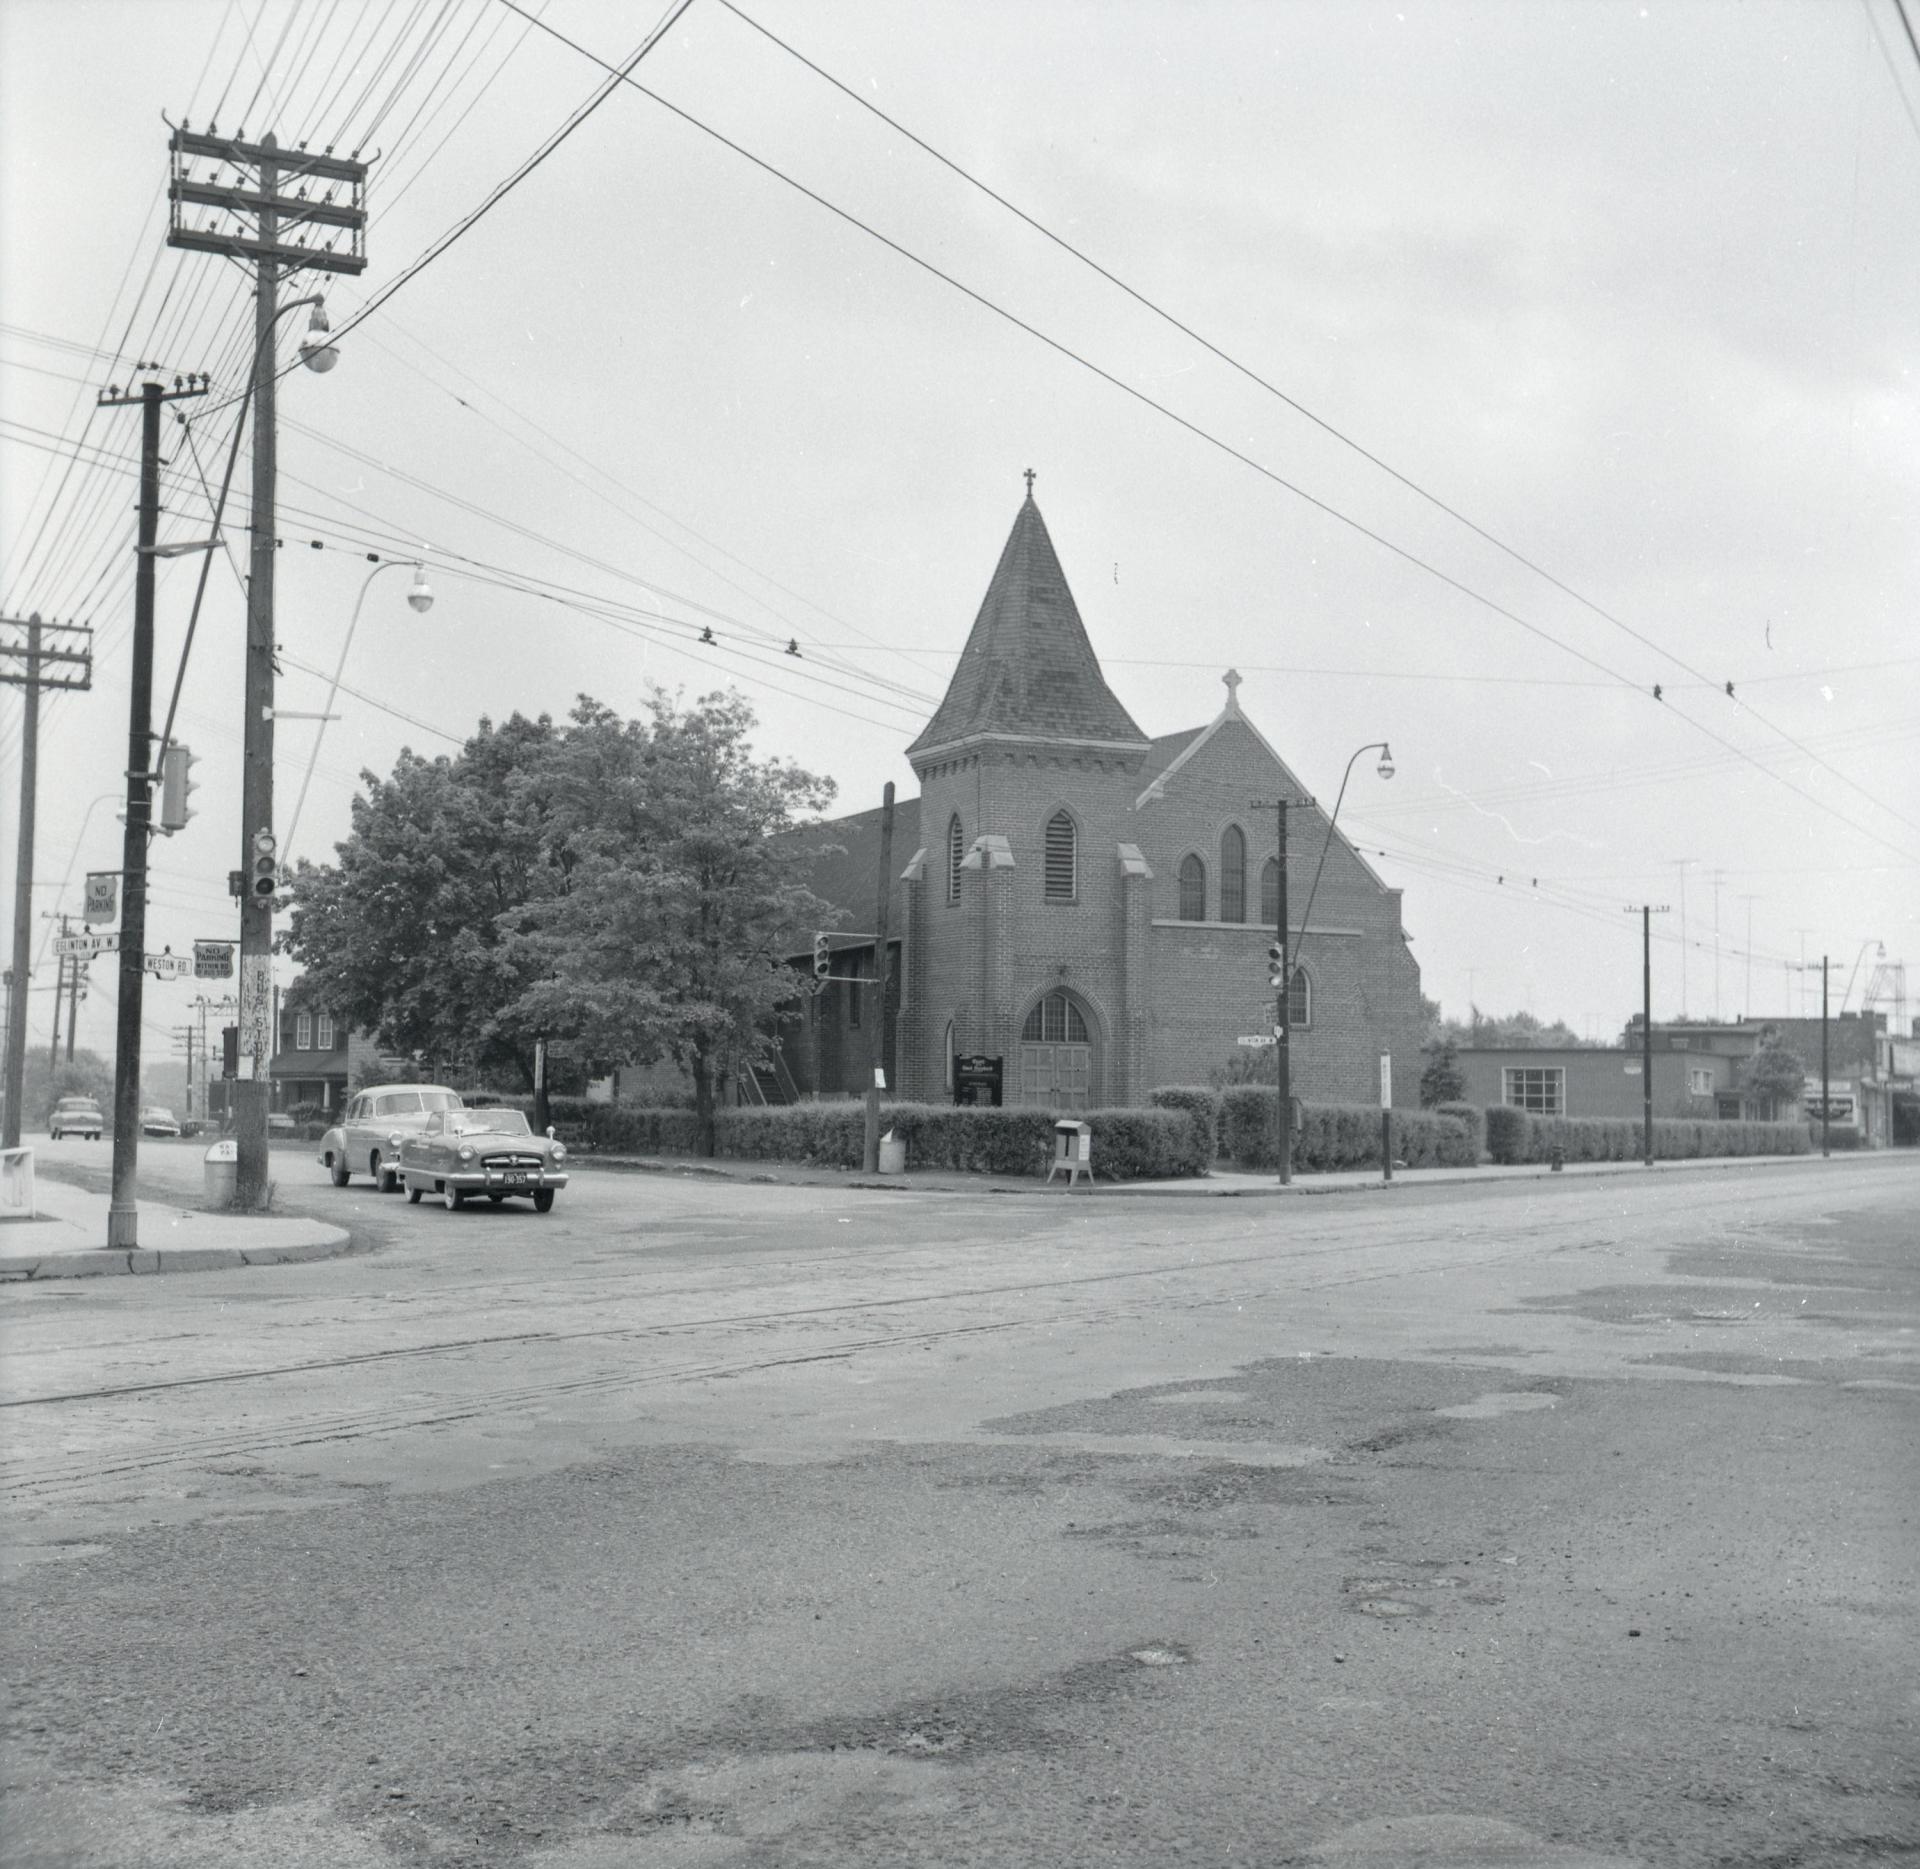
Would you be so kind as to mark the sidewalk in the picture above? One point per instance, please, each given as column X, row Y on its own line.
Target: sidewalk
column 1222, row 1183
column 67, row 1237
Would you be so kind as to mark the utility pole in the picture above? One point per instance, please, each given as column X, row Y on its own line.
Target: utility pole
column 1683, row 863
column 1646, row 911
column 1719, row 876
column 877, row 1044
column 1746, row 1009
column 267, row 226
column 1826, row 1089
column 28, row 661
column 1280, row 978
column 59, row 988
column 123, row 1218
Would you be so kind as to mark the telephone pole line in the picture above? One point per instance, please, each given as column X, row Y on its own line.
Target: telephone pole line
column 123, row 1218
column 29, row 661
column 877, row 1042
column 266, row 222
column 1280, row 978
column 1647, row 911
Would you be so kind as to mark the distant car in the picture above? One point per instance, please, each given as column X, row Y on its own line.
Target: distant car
column 458, row 1153
column 154, row 1121
column 76, row 1116
column 366, row 1141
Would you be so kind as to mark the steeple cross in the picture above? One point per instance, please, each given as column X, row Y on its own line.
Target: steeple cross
column 1030, row 480
column 1232, row 680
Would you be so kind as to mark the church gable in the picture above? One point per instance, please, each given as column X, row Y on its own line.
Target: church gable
column 1028, row 671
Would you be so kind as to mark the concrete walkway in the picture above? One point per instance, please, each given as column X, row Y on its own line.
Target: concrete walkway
column 67, row 1238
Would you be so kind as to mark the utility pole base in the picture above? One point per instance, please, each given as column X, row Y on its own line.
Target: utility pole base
column 123, row 1229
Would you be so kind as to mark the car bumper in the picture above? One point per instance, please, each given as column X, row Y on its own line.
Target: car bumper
column 488, row 1181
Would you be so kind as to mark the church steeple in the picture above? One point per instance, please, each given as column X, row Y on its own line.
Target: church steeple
column 1028, row 671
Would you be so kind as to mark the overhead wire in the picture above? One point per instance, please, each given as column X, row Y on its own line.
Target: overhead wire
column 1206, row 436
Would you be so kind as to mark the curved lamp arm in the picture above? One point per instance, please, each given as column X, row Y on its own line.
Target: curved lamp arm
column 418, row 566
column 1386, row 772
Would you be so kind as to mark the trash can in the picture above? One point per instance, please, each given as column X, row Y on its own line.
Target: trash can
column 222, row 1171
column 893, row 1154
column 1072, row 1151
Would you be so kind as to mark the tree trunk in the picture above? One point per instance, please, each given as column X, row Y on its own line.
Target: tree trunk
column 702, row 1070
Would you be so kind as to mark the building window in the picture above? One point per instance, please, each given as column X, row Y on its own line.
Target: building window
column 1539, row 1089
column 1055, row 1020
column 1299, row 998
column 303, row 1032
column 956, row 852
column 1193, row 890
column 1270, row 893
column 949, row 1076
column 1233, row 874
column 323, row 1032
column 1699, row 1082
column 1060, row 864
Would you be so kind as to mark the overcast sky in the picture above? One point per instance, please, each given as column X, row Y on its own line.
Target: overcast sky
column 1634, row 289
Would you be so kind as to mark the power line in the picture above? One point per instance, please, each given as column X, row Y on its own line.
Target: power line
column 1214, row 441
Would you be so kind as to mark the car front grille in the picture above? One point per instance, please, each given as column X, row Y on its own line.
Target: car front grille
column 510, row 1161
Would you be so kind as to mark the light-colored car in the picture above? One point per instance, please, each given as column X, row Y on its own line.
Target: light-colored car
column 155, row 1121
column 76, row 1116
column 366, row 1141
column 463, row 1153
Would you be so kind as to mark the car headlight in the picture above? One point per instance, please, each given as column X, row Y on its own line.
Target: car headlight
column 466, row 1155
column 394, row 1141
column 559, row 1151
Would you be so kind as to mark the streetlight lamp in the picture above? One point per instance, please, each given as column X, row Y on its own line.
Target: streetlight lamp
column 1286, row 958
column 421, row 598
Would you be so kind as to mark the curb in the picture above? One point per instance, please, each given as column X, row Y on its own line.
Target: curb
column 21, row 1268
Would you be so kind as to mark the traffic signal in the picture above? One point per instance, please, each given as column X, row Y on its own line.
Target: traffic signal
column 176, row 788
column 229, row 1051
column 1276, row 965
column 263, row 875
column 821, row 959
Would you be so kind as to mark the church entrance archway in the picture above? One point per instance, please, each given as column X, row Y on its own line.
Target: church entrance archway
column 1059, row 1054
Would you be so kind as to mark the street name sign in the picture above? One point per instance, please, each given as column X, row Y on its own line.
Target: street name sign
column 1255, row 1038
column 166, row 966
column 88, row 944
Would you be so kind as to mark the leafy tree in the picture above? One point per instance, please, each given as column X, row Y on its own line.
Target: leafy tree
column 1775, row 1072
column 1441, row 1080
column 672, row 936
column 403, row 936
column 43, row 1085
column 1514, row 1029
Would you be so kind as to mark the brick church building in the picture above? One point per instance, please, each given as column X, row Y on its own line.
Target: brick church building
column 1090, row 905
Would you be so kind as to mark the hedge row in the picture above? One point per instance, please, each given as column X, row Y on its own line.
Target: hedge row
column 1516, row 1136
column 1238, row 1122
column 1128, row 1145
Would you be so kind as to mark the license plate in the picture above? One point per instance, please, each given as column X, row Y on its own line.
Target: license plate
column 514, row 1181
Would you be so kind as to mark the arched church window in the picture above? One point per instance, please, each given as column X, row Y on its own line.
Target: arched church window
column 1233, row 874
column 1193, row 890
column 1060, row 858
column 1299, row 997
column 956, row 851
column 1055, row 1020
column 1270, row 893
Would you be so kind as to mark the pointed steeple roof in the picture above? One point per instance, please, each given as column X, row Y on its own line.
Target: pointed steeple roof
column 1028, row 671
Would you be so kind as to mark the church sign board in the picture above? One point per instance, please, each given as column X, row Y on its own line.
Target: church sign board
column 978, row 1080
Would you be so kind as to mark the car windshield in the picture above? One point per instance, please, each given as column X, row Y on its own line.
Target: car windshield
column 78, row 1103
column 487, row 1122
column 440, row 1100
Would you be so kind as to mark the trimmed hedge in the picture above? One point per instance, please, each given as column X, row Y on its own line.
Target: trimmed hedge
column 1475, row 1119
column 1342, row 1135
column 1128, row 1145
column 1516, row 1136
column 1202, row 1102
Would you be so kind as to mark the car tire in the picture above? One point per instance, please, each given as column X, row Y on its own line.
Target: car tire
column 387, row 1181
column 413, row 1196
column 452, row 1199
column 496, row 1199
column 339, row 1172
column 542, row 1200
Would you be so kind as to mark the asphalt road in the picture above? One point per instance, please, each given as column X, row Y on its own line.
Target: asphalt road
column 1560, row 1523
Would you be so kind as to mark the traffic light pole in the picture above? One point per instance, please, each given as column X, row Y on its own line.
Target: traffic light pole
column 1283, row 1017
column 23, row 895
column 870, row 1153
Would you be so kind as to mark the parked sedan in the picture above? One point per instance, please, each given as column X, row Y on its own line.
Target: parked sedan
column 366, row 1141
column 482, row 1152
column 154, row 1121
column 76, row 1116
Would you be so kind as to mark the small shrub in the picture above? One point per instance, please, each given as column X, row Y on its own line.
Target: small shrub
column 1204, row 1104
column 1475, row 1119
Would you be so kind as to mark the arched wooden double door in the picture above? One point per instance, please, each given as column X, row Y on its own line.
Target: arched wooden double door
column 1058, row 1065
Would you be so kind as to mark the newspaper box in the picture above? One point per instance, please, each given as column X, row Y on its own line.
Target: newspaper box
column 1072, row 1151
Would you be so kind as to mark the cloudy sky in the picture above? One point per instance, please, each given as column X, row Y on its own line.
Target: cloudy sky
column 1632, row 289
